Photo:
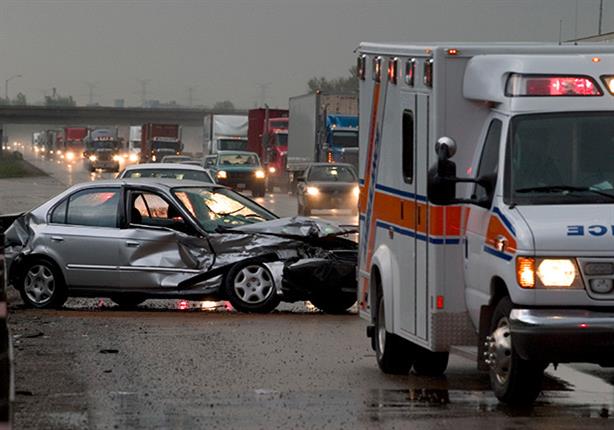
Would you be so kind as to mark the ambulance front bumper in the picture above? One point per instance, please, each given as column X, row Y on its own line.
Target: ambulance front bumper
column 564, row 335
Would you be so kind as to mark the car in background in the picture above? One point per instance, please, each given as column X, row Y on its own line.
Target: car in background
column 175, row 158
column 328, row 186
column 239, row 170
column 105, row 156
column 132, row 240
column 193, row 162
column 6, row 373
column 167, row 170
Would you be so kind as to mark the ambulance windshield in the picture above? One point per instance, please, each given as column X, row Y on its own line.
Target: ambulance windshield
column 563, row 158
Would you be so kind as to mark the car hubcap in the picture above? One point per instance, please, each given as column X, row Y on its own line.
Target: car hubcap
column 253, row 284
column 39, row 284
column 499, row 347
column 381, row 326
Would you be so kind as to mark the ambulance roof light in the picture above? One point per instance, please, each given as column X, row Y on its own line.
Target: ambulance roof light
column 428, row 72
column 393, row 67
column 377, row 69
column 410, row 71
column 537, row 85
column 361, row 66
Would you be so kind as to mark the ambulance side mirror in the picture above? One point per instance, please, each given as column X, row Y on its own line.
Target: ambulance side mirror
column 442, row 176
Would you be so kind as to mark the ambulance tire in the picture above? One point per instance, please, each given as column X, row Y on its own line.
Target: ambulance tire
column 429, row 363
column 394, row 354
column 513, row 380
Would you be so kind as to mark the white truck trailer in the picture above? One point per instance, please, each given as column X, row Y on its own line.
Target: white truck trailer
column 487, row 194
column 225, row 133
column 312, row 129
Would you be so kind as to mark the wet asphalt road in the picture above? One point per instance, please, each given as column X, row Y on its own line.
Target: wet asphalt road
column 91, row 365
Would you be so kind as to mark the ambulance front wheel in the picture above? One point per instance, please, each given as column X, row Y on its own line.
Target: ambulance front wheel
column 513, row 380
column 394, row 354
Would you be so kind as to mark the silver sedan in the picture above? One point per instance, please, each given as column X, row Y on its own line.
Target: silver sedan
column 137, row 239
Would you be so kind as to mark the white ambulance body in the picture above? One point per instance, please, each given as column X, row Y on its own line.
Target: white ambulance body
column 521, row 264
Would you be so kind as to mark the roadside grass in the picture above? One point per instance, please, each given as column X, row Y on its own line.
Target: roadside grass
column 13, row 166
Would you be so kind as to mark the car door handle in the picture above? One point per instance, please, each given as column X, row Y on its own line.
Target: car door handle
column 132, row 243
column 57, row 238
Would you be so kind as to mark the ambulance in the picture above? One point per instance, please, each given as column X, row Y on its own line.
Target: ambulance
column 487, row 207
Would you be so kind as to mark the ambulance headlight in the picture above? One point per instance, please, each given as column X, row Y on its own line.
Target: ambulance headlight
column 548, row 273
column 313, row 191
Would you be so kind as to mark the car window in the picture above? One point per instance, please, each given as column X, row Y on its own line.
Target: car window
column 97, row 208
column 153, row 210
column 58, row 215
column 331, row 174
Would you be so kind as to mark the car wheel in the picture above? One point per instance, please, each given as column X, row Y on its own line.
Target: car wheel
column 394, row 354
column 270, row 187
column 42, row 286
column 513, row 380
column 258, row 191
column 429, row 363
column 128, row 300
column 334, row 303
column 250, row 288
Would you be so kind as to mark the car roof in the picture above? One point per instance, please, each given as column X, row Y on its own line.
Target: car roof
column 162, row 166
column 236, row 153
column 161, row 183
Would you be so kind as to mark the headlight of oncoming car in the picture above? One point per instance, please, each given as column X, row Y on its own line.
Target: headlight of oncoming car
column 259, row 174
column 313, row 191
column 117, row 158
column 93, row 158
column 221, row 174
column 560, row 273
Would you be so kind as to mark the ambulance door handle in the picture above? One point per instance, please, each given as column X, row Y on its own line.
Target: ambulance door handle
column 466, row 248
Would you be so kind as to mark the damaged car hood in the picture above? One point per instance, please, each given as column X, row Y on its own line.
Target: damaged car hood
column 297, row 227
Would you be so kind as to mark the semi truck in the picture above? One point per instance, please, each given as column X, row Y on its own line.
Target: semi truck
column 321, row 128
column 74, row 143
column 134, row 144
column 486, row 208
column 102, row 149
column 159, row 140
column 225, row 133
column 267, row 136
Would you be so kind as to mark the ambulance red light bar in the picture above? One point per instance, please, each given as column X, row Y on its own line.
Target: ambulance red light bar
column 393, row 68
column 361, row 66
column 551, row 86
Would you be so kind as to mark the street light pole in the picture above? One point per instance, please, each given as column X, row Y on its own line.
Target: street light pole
column 6, row 86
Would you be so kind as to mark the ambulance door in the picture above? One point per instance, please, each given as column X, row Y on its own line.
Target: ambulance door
column 478, row 252
column 404, row 239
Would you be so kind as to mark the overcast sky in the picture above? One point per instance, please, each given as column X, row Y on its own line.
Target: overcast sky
column 225, row 49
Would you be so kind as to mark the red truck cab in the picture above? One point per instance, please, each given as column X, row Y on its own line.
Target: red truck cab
column 267, row 135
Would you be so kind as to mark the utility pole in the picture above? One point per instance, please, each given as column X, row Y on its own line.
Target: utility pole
column 263, row 92
column 6, row 87
column 191, row 95
column 90, row 93
column 143, row 83
column 600, row 16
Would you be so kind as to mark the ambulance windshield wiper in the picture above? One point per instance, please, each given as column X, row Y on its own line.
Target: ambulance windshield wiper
column 562, row 189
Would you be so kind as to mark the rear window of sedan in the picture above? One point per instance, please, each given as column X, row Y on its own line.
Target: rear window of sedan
column 187, row 174
column 331, row 174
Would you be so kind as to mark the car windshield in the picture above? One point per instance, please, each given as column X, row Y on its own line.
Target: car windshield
column 218, row 208
column 282, row 139
column 232, row 144
column 331, row 174
column 345, row 139
column 187, row 174
column 561, row 159
column 238, row 160
column 165, row 145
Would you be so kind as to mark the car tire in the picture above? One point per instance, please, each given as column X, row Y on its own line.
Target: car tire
column 334, row 303
column 513, row 380
column 270, row 187
column 429, row 363
column 41, row 285
column 250, row 287
column 394, row 354
column 128, row 301
column 259, row 191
